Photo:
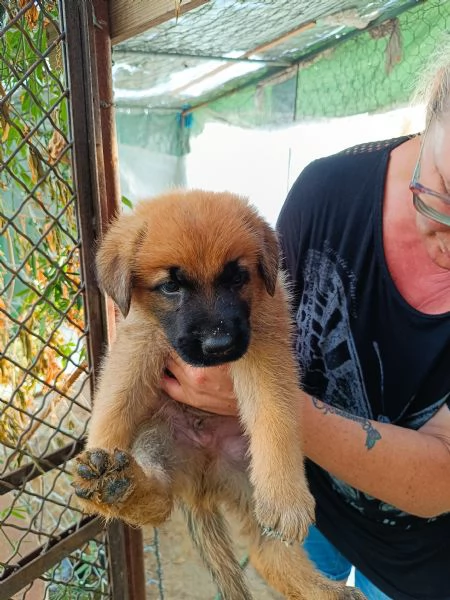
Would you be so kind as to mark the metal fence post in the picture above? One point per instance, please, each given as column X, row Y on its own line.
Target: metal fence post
column 96, row 175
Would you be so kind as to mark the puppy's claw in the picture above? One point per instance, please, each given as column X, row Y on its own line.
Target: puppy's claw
column 99, row 460
column 285, row 520
column 86, row 473
column 92, row 464
column 275, row 534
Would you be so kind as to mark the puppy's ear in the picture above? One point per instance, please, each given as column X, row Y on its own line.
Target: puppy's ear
column 269, row 260
column 115, row 259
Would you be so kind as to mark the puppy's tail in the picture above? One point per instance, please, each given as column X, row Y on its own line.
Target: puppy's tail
column 211, row 537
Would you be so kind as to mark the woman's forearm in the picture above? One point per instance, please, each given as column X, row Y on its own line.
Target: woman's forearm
column 406, row 468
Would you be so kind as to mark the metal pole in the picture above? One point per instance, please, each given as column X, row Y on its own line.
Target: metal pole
column 96, row 174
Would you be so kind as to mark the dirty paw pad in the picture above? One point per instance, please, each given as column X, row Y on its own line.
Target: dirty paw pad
column 92, row 464
column 102, row 476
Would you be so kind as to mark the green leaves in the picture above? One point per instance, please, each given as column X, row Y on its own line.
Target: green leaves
column 126, row 202
column 42, row 318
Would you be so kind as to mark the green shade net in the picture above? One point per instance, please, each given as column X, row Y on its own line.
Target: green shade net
column 373, row 71
column 368, row 71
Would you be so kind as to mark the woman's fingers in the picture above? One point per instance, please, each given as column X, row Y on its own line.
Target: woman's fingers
column 209, row 389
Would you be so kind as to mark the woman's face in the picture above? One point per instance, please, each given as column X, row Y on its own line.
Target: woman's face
column 435, row 175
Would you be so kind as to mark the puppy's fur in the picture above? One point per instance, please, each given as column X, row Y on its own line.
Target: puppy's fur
column 197, row 272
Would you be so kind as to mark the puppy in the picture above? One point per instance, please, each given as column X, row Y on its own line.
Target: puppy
column 198, row 272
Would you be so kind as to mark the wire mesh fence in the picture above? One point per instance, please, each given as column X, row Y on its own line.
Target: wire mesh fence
column 45, row 372
column 48, row 549
column 370, row 70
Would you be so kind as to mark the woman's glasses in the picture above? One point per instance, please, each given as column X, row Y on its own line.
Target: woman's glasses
column 427, row 202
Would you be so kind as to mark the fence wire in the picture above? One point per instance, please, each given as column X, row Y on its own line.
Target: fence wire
column 50, row 549
column 44, row 366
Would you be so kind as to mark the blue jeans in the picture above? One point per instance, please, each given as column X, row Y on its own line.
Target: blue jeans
column 330, row 562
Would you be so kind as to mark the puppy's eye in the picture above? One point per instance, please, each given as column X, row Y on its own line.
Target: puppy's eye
column 170, row 287
column 238, row 279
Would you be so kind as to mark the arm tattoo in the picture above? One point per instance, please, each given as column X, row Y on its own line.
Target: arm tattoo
column 372, row 434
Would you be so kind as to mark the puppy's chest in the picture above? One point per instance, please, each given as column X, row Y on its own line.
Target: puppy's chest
column 220, row 437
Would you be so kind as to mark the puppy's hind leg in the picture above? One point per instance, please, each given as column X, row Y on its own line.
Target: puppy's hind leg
column 287, row 569
column 210, row 535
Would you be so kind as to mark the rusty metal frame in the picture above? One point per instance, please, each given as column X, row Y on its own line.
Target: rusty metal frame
column 18, row 478
column 43, row 558
column 87, row 160
column 96, row 173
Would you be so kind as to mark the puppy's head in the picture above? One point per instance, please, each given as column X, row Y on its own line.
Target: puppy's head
column 197, row 262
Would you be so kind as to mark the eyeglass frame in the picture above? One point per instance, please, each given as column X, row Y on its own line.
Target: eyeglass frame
column 417, row 188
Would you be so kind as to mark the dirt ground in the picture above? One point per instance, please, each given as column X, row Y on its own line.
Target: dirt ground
column 183, row 575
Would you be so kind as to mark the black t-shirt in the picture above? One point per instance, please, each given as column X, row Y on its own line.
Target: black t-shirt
column 361, row 347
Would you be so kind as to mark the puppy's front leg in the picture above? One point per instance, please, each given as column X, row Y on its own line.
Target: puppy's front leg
column 268, row 396
column 128, row 390
column 115, row 485
column 108, row 480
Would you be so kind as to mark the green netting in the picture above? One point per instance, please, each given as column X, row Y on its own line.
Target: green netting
column 373, row 71
column 363, row 75
column 164, row 133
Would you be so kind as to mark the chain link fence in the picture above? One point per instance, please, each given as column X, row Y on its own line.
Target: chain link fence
column 48, row 549
column 45, row 371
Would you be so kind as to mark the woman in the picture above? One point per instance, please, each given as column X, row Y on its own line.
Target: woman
column 366, row 240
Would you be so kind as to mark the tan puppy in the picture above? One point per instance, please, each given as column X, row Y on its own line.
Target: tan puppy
column 197, row 272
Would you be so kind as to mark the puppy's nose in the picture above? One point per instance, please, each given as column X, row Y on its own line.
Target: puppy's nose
column 217, row 344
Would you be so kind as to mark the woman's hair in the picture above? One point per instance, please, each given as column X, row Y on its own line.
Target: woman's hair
column 433, row 86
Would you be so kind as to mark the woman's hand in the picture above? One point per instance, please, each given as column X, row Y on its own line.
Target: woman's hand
column 209, row 388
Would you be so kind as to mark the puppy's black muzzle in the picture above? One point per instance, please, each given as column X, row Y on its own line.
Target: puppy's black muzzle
column 213, row 345
column 207, row 334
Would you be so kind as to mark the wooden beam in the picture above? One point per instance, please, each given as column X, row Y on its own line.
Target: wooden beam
column 129, row 18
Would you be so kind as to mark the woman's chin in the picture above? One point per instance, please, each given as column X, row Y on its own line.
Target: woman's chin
column 439, row 252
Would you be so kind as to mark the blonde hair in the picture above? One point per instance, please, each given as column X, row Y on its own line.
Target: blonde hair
column 433, row 86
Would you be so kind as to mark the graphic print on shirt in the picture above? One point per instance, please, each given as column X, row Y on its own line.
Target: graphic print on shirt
column 326, row 350
column 328, row 356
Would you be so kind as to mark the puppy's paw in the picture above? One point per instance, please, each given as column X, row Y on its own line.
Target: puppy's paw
column 350, row 593
column 286, row 517
column 103, row 478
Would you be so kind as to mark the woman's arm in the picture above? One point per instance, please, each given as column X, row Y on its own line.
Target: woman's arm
column 406, row 468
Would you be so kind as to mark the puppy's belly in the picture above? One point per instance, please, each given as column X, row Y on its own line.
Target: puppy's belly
column 218, row 436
